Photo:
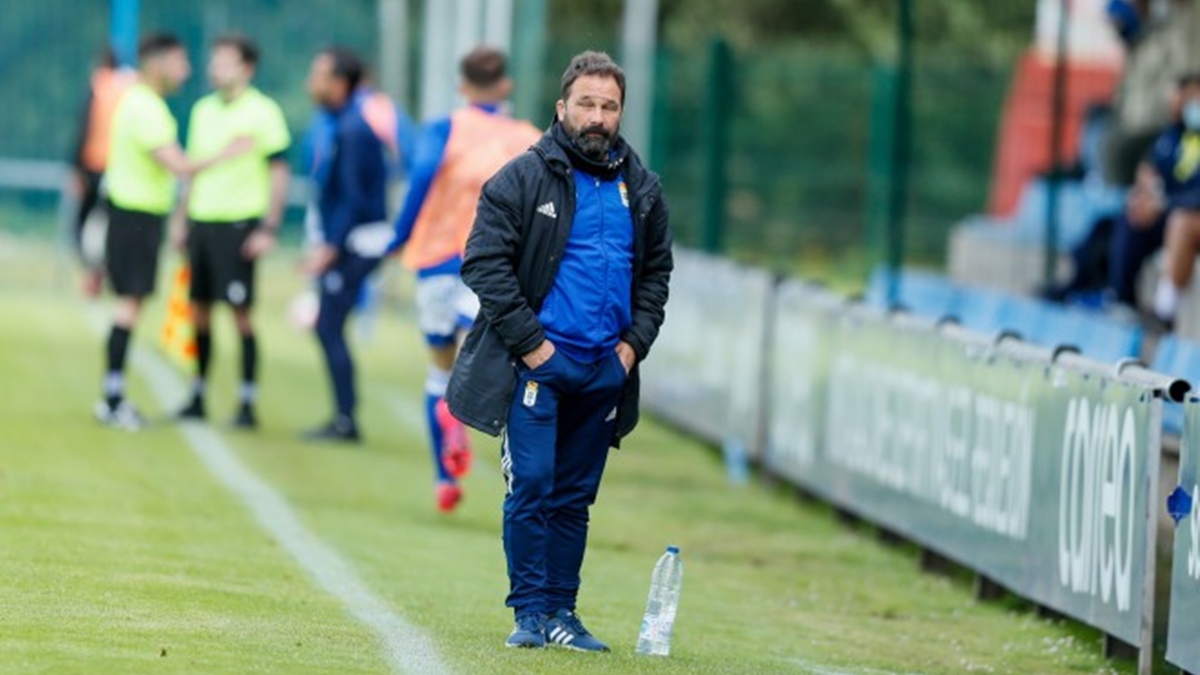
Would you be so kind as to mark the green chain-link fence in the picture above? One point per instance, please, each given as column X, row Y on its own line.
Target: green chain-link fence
column 806, row 116
column 809, row 126
column 47, row 49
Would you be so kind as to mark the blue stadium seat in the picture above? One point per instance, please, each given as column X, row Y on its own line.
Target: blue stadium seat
column 1106, row 339
column 983, row 311
column 1079, row 206
column 1031, row 319
column 1096, row 336
column 929, row 294
column 920, row 292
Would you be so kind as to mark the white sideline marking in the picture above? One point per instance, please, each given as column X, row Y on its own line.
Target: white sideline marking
column 406, row 648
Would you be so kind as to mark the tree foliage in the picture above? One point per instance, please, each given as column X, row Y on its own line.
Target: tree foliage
column 803, row 98
column 991, row 31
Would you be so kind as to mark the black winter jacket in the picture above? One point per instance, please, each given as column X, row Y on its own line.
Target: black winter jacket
column 511, row 261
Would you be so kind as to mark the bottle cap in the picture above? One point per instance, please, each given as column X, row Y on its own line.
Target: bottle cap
column 673, row 549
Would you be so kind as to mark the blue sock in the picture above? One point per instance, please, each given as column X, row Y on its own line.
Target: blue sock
column 435, row 389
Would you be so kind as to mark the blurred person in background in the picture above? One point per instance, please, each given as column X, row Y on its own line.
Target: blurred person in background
column 1162, row 43
column 1167, row 180
column 144, row 160
column 349, row 171
column 570, row 256
column 108, row 82
column 233, row 211
column 392, row 124
column 454, row 156
column 1160, row 48
column 389, row 121
column 1169, row 195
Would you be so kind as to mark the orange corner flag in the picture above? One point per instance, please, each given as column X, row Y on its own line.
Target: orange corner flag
column 178, row 336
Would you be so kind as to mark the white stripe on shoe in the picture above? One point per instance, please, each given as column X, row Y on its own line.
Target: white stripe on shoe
column 561, row 636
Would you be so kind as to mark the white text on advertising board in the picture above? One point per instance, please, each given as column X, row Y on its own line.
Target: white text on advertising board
column 1097, row 502
column 966, row 452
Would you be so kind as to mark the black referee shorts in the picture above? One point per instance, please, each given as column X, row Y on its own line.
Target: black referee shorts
column 131, row 251
column 220, row 272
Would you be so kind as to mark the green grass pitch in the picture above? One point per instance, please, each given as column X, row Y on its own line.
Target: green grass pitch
column 122, row 553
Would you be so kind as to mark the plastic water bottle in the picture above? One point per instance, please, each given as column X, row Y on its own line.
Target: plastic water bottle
column 655, row 636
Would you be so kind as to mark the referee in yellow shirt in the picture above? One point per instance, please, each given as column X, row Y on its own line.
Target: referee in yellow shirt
column 144, row 159
column 233, row 210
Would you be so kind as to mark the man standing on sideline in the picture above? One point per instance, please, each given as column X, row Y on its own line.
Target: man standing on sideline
column 143, row 161
column 350, row 176
column 108, row 83
column 570, row 256
column 455, row 155
column 233, row 210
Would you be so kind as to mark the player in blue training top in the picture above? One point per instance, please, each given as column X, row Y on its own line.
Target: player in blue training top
column 350, row 180
column 454, row 157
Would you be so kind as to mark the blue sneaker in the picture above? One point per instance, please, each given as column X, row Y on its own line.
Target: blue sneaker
column 529, row 633
column 564, row 629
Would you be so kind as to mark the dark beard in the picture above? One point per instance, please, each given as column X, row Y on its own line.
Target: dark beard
column 607, row 168
column 594, row 142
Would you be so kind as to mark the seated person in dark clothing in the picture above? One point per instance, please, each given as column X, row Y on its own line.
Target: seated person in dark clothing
column 1179, row 200
column 1167, row 182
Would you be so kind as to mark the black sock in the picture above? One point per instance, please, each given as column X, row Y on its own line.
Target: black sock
column 118, row 349
column 203, row 353
column 249, row 367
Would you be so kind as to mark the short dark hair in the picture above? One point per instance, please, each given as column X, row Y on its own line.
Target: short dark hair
column 592, row 63
column 483, row 67
column 1188, row 79
column 153, row 44
column 347, row 65
column 246, row 49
